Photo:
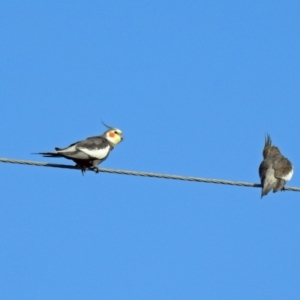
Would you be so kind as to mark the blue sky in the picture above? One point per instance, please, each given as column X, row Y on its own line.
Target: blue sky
column 194, row 86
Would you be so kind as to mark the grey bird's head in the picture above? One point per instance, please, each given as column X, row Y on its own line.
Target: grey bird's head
column 113, row 135
column 268, row 148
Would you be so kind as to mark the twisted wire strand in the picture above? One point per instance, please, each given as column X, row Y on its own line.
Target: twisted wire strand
column 144, row 174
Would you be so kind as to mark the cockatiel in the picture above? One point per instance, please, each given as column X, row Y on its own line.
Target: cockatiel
column 275, row 170
column 91, row 151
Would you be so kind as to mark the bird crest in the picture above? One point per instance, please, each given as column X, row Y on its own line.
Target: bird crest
column 268, row 145
column 109, row 127
column 269, row 149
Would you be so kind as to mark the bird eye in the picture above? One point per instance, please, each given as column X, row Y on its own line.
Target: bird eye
column 116, row 132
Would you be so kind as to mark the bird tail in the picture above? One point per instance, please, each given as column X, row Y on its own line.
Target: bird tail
column 266, row 188
column 268, row 182
column 49, row 154
column 279, row 185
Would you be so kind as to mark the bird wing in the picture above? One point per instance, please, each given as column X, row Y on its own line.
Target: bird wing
column 263, row 167
column 95, row 147
column 283, row 168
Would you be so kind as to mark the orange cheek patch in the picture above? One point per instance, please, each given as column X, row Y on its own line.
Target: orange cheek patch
column 111, row 134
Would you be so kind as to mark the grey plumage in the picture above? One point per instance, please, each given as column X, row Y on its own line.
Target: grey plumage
column 275, row 170
column 91, row 151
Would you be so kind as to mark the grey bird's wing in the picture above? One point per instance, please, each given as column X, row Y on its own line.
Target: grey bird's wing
column 282, row 167
column 94, row 142
column 267, row 176
column 96, row 147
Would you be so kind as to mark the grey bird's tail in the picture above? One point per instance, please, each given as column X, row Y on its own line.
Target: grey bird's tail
column 268, row 183
column 267, row 187
column 279, row 185
column 49, row 154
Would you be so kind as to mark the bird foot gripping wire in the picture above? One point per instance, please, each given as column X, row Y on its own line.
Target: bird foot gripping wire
column 84, row 169
column 96, row 169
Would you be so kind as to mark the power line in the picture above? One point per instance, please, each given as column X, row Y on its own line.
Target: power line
column 144, row 174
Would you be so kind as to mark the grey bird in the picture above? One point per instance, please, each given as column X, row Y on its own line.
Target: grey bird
column 275, row 170
column 91, row 151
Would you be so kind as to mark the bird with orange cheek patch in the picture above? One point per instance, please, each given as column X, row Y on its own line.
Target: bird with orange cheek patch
column 91, row 151
column 275, row 170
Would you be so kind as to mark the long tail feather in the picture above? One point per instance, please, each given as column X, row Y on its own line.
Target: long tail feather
column 268, row 182
column 279, row 185
column 49, row 154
